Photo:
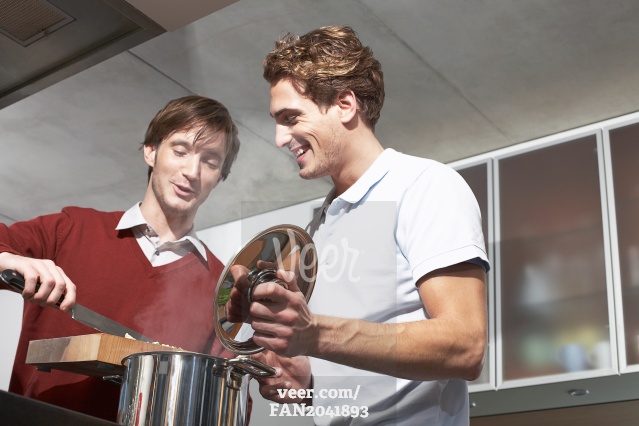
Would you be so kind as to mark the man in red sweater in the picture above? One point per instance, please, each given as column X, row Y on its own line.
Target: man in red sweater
column 144, row 268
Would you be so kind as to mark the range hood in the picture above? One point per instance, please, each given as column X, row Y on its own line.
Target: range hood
column 45, row 41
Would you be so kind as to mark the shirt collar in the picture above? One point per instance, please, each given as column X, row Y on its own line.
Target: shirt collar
column 374, row 174
column 133, row 217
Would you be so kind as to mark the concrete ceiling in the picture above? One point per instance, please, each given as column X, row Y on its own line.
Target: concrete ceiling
column 463, row 77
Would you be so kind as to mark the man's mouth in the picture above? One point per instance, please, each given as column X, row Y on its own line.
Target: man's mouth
column 300, row 151
column 185, row 190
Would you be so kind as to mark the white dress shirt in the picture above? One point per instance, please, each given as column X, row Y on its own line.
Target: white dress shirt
column 149, row 241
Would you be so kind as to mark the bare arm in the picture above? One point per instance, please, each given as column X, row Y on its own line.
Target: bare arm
column 451, row 344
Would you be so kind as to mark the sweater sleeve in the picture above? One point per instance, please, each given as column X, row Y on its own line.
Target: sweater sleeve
column 39, row 238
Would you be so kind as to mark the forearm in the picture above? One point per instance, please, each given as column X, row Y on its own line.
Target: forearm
column 450, row 344
column 440, row 348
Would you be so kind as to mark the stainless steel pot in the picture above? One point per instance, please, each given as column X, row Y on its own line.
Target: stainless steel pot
column 186, row 389
column 171, row 388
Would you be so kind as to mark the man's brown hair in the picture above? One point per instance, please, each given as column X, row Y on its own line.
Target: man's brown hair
column 326, row 61
column 190, row 112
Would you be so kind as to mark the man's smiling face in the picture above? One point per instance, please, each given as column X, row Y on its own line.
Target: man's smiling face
column 308, row 131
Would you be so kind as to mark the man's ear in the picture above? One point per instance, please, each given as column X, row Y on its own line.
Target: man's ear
column 149, row 155
column 347, row 104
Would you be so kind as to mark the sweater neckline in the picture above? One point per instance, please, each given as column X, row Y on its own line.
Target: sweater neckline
column 146, row 265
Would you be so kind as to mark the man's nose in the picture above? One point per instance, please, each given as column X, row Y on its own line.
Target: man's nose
column 191, row 167
column 282, row 136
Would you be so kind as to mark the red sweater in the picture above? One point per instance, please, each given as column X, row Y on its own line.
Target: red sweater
column 171, row 303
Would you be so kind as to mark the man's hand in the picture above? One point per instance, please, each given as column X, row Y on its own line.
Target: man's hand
column 281, row 318
column 292, row 373
column 54, row 283
column 237, row 307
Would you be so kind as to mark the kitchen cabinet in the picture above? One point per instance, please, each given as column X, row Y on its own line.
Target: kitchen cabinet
column 478, row 175
column 555, row 303
column 622, row 159
column 561, row 221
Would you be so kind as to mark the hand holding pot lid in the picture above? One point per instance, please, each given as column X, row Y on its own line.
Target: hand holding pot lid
column 281, row 318
column 264, row 259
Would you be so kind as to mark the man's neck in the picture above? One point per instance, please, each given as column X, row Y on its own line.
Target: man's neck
column 169, row 227
column 360, row 153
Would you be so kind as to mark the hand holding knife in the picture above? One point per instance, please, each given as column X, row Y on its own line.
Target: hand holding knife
column 15, row 282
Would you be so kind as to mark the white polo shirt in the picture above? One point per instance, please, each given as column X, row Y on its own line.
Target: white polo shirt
column 406, row 216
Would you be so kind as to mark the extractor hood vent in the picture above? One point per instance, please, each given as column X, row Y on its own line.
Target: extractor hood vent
column 49, row 40
column 26, row 21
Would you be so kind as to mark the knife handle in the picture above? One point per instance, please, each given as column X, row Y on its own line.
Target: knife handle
column 15, row 281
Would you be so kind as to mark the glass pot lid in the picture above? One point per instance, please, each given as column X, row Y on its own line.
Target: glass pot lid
column 287, row 247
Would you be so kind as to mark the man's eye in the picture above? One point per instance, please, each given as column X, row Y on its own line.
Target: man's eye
column 211, row 162
column 179, row 153
column 291, row 120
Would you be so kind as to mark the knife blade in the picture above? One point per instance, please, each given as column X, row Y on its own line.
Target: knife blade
column 86, row 316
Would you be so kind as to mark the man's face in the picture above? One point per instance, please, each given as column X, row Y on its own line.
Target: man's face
column 185, row 170
column 310, row 133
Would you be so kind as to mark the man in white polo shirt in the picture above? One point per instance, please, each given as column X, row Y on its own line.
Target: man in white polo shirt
column 398, row 312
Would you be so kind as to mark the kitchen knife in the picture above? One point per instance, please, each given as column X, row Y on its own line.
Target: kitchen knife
column 86, row 316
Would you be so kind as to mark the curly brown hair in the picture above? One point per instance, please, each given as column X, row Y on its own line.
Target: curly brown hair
column 190, row 112
column 326, row 61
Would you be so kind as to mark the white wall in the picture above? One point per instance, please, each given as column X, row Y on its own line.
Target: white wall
column 225, row 240
column 11, row 320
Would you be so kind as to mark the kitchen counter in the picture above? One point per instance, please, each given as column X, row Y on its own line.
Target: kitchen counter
column 20, row 411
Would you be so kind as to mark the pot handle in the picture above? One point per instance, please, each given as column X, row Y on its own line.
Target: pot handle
column 251, row 366
column 116, row 378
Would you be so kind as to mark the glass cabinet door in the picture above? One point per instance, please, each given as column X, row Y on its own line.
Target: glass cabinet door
column 478, row 177
column 553, row 310
column 624, row 158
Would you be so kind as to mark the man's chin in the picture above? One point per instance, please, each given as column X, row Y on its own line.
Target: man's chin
column 180, row 208
column 306, row 175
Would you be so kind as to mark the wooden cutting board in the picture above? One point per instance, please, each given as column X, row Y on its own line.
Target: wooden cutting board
column 90, row 354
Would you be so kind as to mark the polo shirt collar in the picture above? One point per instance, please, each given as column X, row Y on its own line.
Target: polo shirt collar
column 374, row 174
